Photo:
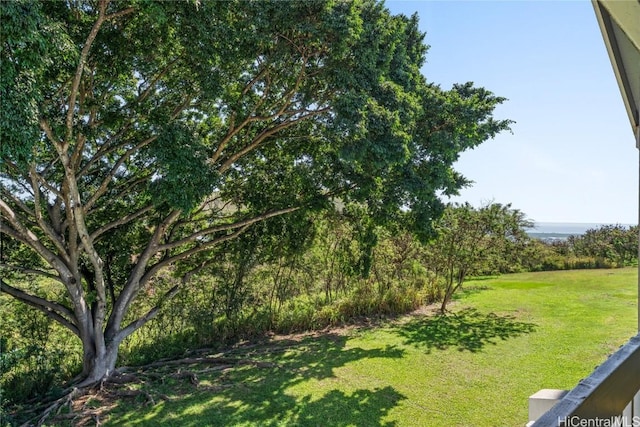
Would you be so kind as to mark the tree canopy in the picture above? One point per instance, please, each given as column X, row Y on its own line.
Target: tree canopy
column 138, row 135
column 485, row 240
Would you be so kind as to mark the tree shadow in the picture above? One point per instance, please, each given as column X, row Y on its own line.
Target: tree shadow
column 360, row 408
column 466, row 330
column 468, row 290
column 264, row 395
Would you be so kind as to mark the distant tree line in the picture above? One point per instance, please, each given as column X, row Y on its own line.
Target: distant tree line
column 608, row 246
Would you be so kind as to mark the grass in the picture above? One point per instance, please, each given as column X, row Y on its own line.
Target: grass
column 506, row 338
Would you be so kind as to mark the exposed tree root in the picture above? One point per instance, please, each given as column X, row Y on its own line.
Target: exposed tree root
column 57, row 406
column 207, row 360
column 87, row 405
column 120, row 378
column 133, row 394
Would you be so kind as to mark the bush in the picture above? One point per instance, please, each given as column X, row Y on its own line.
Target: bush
column 35, row 353
column 296, row 316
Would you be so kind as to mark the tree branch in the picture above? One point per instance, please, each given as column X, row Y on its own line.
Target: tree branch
column 121, row 221
column 123, row 188
column 19, row 203
column 134, row 280
column 186, row 254
column 119, row 14
column 234, row 130
column 105, row 182
column 106, row 148
column 48, row 132
column 140, row 322
column 142, row 96
column 26, row 236
column 56, row 311
column 265, row 134
column 48, row 186
column 46, row 228
column 31, row 271
column 225, row 227
column 79, row 70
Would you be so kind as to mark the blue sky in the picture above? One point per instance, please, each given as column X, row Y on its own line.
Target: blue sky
column 571, row 157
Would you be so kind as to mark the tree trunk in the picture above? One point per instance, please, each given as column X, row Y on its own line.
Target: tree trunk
column 445, row 301
column 97, row 365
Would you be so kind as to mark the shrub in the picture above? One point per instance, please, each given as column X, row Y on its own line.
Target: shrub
column 35, row 353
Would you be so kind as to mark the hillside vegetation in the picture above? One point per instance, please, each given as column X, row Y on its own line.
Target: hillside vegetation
column 337, row 272
column 504, row 339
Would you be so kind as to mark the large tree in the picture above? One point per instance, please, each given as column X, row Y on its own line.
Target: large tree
column 137, row 135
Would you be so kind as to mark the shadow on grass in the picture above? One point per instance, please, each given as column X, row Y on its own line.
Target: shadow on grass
column 466, row 330
column 468, row 290
column 284, row 393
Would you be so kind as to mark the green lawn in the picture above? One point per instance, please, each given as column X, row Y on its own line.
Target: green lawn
column 507, row 338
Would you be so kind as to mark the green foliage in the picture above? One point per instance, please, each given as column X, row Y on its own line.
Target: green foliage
column 471, row 241
column 612, row 244
column 307, row 273
column 146, row 144
column 550, row 323
column 300, row 274
column 36, row 354
column 178, row 153
column 290, row 276
column 609, row 246
column 31, row 43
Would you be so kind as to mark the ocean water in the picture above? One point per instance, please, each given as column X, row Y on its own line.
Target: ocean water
column 561, row 230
